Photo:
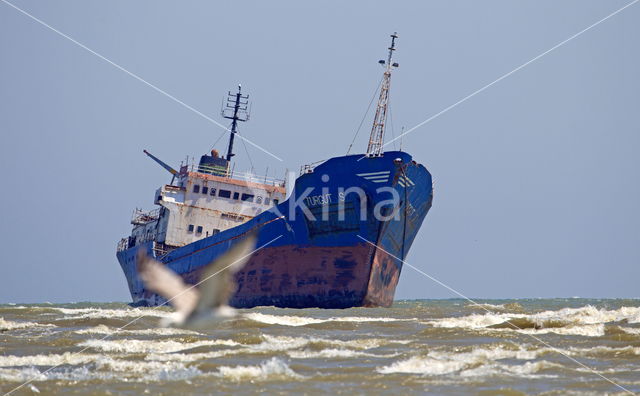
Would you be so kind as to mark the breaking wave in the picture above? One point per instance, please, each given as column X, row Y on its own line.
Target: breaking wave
column 513, row 306
column 284, row 343
column 150, row 346
column 191, row 357
column 104, row 313
column 7, row 325
column 334, row 354
column 630, row 330
column 47, row 360
column 287, row 320
column 280, row 350
column 102, row 368
column 478, row 362
column 489, row 360
column 585, row 321
column 160, row 331
column 269, row 370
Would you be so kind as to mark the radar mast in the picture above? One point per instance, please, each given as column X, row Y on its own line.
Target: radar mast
column 235, row 110
column 376, row 139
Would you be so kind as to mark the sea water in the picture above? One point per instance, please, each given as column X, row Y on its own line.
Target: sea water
column 512, row 347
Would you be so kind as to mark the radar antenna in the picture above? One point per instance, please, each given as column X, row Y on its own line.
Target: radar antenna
column 376, row 140
column 235, row 110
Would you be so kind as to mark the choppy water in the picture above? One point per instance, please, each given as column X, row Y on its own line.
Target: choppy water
column 426, row 346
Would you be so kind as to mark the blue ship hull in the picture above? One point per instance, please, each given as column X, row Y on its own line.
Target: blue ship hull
column 326, row 262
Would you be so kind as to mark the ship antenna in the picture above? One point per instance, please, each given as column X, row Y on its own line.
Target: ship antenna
column 376, row 140
column 235, row 110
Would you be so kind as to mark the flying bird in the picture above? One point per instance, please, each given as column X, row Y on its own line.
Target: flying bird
column 201, row 307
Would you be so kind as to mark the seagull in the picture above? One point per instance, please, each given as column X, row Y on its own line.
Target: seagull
column 202, row 307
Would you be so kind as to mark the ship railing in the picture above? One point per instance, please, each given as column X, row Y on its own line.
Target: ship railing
column 232, row 174
column 160, row 249
column 140, row 217
column 123, row 244
column 308, row 168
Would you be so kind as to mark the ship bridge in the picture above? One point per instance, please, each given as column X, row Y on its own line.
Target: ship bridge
column 206, row 197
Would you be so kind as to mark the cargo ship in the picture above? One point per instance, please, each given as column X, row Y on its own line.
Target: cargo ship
column 335, row 237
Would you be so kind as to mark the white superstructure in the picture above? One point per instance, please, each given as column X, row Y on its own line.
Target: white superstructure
column 201, row 204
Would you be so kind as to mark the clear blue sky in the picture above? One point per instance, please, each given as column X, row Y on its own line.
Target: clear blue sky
column 537, row 184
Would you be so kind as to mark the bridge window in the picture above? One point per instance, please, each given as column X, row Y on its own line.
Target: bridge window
column 215, row 231
column 190, row 229
column 267, row 200
column 199, row 230
column 247, row 197
column 224, row 194
column 205, row 190
column 236, row 195
column 196, row 188
column 213, row 192
column 275, row 201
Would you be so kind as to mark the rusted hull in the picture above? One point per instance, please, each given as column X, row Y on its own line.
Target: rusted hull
column 323, row 262
column 301, row 277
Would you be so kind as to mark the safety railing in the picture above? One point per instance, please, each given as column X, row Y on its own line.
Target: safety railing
column 140, row 217
column 308, row 168
column 231, row 174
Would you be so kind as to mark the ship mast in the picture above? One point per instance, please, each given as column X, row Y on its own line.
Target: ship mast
column 235, row 110
column 376, row 140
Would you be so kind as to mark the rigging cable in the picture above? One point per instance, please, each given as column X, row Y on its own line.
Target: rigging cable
column 393, row 131
column 365, row 115
column 217, row 140
column 246, row 151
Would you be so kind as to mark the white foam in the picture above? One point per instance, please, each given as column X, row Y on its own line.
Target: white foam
column 603, row 350
column 527, row 370
column 337, row 348
column 288, row 320
column 47, row 360
column 370, row 319
column 478, row 361
column 23, row 368
column 531, row 367
column 483, row 354
column 475, row 321
column 100, row 313
column 284, row 343
column 6, row 325
column 631, row 330
column 284, row 320
column 333, row 353
column 422, row 365
column 75, row 359
column 154, row 370
column 268, row 370
column 594, row 330
column 497, row 307
column 191, row 357
column 585, row 321
column 487, row 360
column 150, row 346
column 279, row 343
column 159, row 331
column 33, row 374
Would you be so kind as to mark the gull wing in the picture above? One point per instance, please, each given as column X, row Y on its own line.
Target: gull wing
column 217, row 283
column 161, row 280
